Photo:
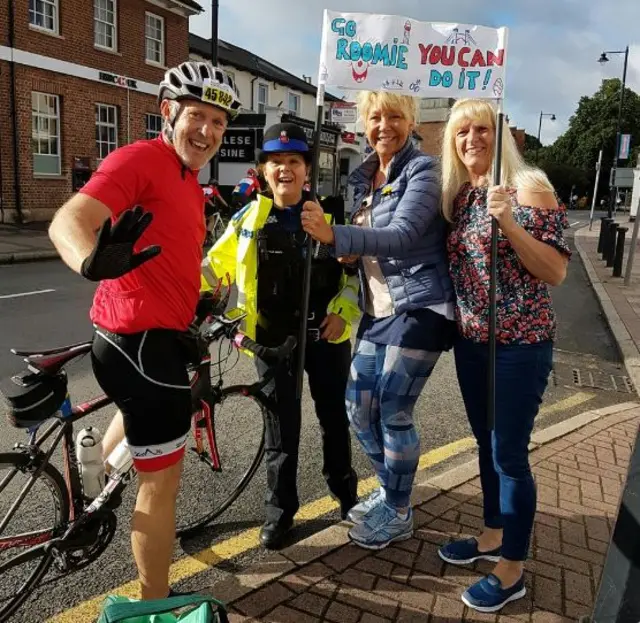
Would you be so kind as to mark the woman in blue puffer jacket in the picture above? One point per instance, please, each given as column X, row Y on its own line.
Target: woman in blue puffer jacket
column 397, row 242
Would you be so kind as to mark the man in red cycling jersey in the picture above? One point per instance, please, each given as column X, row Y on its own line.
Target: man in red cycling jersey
column 246, row 190
column 147, row 295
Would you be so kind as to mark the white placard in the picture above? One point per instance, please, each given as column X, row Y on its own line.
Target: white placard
column 371, row 52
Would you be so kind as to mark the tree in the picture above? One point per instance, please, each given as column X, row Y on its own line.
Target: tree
column 564, row 178
column 593, row 127
column 531, row 142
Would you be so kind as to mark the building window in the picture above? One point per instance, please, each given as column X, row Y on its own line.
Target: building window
column 44, row 14
column 153, row 124
column 106, row 129
column 294, row 104
column 154, row 36
column 104, row 18
column 263, row 97
column 45, row 133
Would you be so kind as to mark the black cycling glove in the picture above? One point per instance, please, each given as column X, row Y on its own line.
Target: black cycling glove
column 113, row 255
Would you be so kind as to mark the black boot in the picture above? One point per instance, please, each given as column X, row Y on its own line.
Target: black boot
column 272, row 534
column 346, row 505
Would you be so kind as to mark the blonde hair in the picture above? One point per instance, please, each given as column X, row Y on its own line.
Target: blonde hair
column 514, row 172
column 406, row 104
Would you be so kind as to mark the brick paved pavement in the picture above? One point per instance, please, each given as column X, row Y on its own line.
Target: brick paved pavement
column 580, row 476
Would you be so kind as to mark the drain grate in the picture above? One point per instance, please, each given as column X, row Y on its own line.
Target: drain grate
column 580, row 370
column 596, row 379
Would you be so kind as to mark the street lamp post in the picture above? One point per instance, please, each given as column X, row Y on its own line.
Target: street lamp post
column 604, row 59
column 543, row 114
column 214, row 32
column 214, row 60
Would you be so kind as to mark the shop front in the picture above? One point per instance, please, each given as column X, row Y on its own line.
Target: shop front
column 328, row 173
column 237, row 153
column 243, row 139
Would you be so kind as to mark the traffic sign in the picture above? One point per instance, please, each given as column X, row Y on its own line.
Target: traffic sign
column 623, row 177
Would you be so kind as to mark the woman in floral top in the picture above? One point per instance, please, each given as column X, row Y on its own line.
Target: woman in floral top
column 532, row 255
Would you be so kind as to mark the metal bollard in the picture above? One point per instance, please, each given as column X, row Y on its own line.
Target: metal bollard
column 610, row 249
column 601, row 237
column 617, row 261
column 606, row 221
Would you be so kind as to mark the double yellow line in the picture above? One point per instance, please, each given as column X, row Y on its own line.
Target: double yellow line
column 203, row 560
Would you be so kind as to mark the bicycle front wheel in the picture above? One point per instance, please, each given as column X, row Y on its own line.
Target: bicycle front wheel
column 222, row 455
column 34, row 508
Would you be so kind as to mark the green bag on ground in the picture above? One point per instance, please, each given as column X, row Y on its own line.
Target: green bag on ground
column 198, row 609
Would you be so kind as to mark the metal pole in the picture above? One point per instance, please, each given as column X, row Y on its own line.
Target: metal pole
column 595, row 189
column 214, row 32
column 306, row 289
column 215, row 170
column 128, row 115
column 539, row 132
column 632, row 250
column 493, row 280
column 612, row 188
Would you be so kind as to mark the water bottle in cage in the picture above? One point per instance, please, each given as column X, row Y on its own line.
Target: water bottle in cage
column 89, row 453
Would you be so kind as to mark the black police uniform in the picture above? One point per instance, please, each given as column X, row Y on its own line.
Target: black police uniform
column 281, row 248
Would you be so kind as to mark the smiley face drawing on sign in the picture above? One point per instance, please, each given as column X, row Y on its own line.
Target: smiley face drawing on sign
column 359, row 68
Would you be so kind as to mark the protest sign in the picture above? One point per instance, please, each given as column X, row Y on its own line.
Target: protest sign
column 423, row 59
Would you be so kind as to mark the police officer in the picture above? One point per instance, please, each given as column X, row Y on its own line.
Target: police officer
column 264, row 248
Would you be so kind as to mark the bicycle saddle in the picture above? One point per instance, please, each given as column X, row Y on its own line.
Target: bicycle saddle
column 53, row 360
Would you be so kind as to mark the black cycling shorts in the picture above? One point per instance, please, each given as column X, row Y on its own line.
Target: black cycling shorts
column 145, row 374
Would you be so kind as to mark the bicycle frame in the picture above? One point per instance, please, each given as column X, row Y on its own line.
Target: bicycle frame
column 200, row 383
column 64, row 427
column 204, row 396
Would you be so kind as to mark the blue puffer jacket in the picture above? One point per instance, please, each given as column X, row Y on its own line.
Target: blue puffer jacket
column 408, row 233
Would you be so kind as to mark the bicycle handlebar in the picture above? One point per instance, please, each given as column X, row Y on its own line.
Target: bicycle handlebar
column 275, row 354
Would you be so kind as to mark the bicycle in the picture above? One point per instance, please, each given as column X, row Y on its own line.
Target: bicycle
column 82, row 529
column 215, row 208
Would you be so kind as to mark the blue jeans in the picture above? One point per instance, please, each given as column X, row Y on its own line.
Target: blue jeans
column 384, row 385
column 508, row 488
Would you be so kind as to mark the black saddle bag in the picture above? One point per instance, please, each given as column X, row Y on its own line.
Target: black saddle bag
column 33, row 397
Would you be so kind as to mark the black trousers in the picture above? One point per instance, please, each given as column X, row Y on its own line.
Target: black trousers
column 327, row 367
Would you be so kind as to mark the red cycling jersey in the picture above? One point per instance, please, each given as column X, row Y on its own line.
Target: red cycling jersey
column 163, row 292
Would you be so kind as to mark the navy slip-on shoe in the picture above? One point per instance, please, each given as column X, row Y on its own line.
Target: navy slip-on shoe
column 465, row 552
column 487, row 595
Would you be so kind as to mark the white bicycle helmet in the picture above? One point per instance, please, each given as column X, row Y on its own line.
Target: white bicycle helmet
column 201, row 81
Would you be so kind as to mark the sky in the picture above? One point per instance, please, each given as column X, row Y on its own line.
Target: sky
column 553, row 45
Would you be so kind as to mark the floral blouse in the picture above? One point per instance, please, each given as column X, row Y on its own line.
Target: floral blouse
column 525, row 313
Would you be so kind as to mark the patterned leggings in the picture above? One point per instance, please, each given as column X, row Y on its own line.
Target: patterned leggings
column 384, row 385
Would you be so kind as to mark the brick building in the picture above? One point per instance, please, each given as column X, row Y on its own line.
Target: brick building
column 434, row 113
column 79, row 78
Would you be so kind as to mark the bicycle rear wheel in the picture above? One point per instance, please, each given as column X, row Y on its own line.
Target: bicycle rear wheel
column 220, row 459
column 32, row 512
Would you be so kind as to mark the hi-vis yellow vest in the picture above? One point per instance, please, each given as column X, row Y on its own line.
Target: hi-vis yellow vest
column 236, row 254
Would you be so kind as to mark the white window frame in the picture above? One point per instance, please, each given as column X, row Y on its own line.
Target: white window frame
column 33, row 13
column 147, row 39
column 152, row 132
column 111, row 146
column 43, row 118
column 258, row 102
column 298, row 96
column 114, row 25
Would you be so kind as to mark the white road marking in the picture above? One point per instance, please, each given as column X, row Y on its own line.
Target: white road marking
column 576, row 223
column 19, row 294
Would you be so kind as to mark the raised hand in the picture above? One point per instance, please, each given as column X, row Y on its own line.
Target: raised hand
column 113, row 255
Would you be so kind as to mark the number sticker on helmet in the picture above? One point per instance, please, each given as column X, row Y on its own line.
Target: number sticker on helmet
column 215, row 96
